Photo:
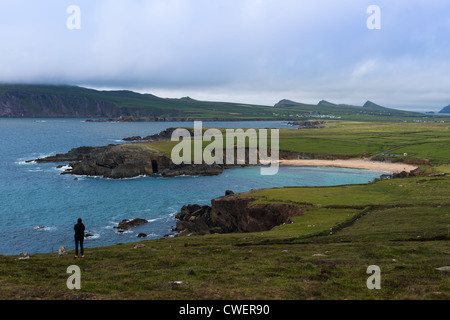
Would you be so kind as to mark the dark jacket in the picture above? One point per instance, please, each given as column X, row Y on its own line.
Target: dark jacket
column 79, row 231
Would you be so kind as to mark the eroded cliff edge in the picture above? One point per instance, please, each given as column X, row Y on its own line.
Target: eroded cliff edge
column 232, row 213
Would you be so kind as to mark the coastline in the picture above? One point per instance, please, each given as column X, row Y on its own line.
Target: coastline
column 352, row 163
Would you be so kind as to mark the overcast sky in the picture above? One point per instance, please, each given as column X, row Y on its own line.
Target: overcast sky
column 254, row 51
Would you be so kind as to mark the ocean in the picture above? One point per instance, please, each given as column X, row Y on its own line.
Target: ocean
column 39, row 206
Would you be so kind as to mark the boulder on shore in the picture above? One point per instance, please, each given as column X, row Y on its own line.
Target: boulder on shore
column 62, row 250
column 23, row 256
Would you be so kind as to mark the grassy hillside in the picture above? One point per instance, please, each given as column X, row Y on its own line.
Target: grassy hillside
column 32, row 97
column 377, row 139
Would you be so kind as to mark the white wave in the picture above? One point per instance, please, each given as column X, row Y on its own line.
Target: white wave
column 115, row 179
column 30, row 160
column 120, row 231
column 23, row 162
column 93, row 236
column 44, row 228
column 64, row 168
column 137, row 177
column 151, row 234
column 44, row 155
column 173, row 213
column 187, row 176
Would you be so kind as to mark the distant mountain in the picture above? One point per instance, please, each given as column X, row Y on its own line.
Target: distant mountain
column 289, row 103
column 370, row 104
column 445, row 110
column 325, row 103
column 368, row 110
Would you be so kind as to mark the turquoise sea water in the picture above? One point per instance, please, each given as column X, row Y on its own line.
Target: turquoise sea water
column 38, row 206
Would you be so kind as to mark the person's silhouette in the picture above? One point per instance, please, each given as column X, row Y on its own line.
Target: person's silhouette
column 79, row 237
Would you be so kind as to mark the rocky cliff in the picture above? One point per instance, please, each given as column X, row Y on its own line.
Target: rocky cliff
column 27, row 104
column 17, row 103
column 231, row 214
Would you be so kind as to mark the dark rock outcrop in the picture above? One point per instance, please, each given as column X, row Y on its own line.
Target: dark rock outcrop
column 163, row 135
column 399, row 175
column 120, row 161
column 127, row 161
column 76, row 154
column 128, row 224
column 195, row 219
column 404, row 174
column 231, row 214
column 134, row 138
column 308, row 124
column 192, row 170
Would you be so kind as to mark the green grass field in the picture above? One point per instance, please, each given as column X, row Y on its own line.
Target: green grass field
column 430, row 141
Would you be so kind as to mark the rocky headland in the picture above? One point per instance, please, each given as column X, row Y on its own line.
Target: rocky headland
column 233, row 213
column 126, row 161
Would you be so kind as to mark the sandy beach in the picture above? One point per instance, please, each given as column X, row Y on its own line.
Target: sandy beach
column 352, row 163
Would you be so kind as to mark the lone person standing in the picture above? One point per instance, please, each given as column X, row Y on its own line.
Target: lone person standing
column 79, row 237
